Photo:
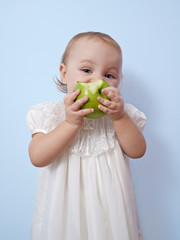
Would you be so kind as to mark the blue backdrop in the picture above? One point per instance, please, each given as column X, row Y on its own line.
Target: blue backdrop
column 33, row 36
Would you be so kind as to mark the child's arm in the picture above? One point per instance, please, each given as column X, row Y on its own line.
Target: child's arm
column 130, row 137
column 45, row 148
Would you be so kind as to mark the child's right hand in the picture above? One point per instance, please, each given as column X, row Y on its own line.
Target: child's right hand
column 75, row 115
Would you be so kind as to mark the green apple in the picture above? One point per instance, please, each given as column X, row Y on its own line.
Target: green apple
column 92, row 90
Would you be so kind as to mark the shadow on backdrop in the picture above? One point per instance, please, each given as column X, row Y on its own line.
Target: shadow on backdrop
column 152, row 174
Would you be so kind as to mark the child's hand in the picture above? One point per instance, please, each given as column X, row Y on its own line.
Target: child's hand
column 114, row 108
column 74, row 115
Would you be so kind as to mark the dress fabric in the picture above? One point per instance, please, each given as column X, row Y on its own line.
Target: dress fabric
column 87, row 193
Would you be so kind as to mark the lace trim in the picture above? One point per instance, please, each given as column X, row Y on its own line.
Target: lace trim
column 97, row 136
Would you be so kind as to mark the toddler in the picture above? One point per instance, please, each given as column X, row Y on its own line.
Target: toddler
column 85, row 190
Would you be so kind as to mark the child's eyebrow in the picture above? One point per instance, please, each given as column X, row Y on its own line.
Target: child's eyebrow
column 87, row 61
column 114, row 69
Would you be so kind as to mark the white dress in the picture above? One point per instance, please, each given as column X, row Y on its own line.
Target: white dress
column 87, row 193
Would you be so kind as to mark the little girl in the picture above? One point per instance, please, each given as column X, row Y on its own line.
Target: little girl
column 85, row 190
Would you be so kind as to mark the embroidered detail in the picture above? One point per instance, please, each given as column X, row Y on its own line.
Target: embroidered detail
column 97, row 136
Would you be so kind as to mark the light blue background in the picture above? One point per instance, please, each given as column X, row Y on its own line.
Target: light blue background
column 33, row 36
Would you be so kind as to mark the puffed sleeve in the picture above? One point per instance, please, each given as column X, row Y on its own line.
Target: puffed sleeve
column 44, row 117
column 136, row 115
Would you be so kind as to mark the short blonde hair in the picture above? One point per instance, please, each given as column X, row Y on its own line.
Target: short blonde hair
column 101, row 36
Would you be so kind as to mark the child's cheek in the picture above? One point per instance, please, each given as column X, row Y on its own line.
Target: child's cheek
column 113, row 82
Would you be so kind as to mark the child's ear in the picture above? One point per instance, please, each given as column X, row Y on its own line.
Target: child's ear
column 62, row 69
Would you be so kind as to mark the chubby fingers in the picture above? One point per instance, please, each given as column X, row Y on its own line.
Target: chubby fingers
column 115, row 98
column 113, row 107
column 107, row 105
column 78, row 103
column 112, row 93
column 75, row 106
column 70, row 97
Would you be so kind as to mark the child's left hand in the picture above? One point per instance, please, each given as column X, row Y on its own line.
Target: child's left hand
column 114, row 108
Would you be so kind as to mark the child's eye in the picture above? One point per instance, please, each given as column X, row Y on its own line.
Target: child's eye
column 109, row 75
column 86, row 70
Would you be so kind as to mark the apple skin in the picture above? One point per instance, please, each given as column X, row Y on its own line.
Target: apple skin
column 92, row 90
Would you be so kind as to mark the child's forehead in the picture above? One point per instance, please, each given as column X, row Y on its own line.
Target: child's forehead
column 87, row 45
column 90, row 40
column 86, row 41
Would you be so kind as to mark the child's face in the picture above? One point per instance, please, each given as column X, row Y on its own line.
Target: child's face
column 89, row 60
